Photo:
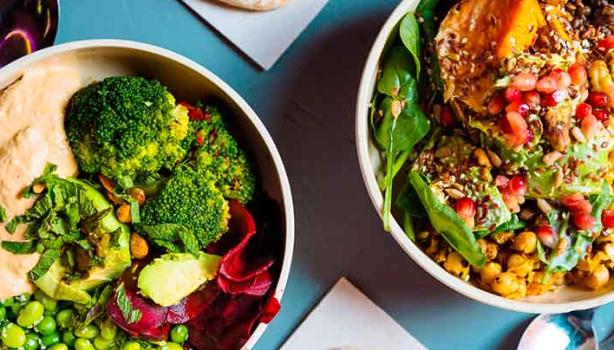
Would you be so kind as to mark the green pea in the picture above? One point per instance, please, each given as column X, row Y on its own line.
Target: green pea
column 16, row 308
column 2, row 313
column 83, row 344
column 69, row 338
column 50, row 339
column 131, row 345
column 108, row 329
column 170, row 346
column 88, row 332
column 32, row 342
column 46, row 326
column 31, row 314
column 101, row 343
column 49, row 303
column 59, row 346
column 65, row 318
column 179, row 334
column 13, row 336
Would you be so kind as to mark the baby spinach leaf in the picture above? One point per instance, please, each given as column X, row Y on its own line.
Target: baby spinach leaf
column 600, row 202
column 512, row 225
column 429, row 26
column 409, row 202
column 409, row 31
column 445, row 220
column 408, row 227
column 397, row 80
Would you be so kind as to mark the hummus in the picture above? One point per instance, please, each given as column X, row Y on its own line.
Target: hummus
column 31, row 135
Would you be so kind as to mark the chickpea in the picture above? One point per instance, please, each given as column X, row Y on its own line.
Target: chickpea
column 138, row 246
column 489, row 272
column 433, row 247
column 598, row 278
column 525, row 242
column 521, row 292
column 423, row 235
column 519, row 265
column 502, row 237
column 456, row 265
column 138, row 194
column 124, row 213
column 505, row 283
column 488, row 248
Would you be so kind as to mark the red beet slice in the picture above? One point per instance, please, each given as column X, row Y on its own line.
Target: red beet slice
column 152, row 323
column 193, row 305
column 256, row 286
column 271, row 309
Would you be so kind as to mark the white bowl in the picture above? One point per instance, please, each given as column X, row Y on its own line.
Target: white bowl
column 561, row 300
column 186, row 79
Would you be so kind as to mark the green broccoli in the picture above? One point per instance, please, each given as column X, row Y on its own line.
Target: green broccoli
column 218, row 153
column 188, row 214
column 126, row 127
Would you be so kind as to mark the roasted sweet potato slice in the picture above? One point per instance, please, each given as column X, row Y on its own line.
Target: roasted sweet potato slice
column 473, row 39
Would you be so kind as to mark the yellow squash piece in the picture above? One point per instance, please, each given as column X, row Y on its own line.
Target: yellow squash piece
column 473, row 39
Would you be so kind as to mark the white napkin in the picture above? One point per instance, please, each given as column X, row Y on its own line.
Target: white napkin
column 347, row 319
column 263, row 36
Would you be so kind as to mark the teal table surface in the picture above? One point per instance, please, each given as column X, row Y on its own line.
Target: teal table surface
column 307, row 102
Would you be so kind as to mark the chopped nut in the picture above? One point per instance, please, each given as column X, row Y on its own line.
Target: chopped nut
column 138, row 246
column 106, row 183
column 558, row 178
column 578, row 135
column 38, row 188
column 482, row 158
column 124, row 213
column 552, row 157
column 139, row 195
column 454, row 193
column 494, row 158
column 544, row 206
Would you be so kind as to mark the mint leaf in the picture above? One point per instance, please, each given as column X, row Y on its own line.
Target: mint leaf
column 44, row 263
column 25, row 247
column 131, row 315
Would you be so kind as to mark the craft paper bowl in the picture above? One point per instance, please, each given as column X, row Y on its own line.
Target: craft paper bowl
column 97, row 59
column 561, row 300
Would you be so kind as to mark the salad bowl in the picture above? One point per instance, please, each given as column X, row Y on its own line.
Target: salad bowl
column 98, row 59
column 372, row 165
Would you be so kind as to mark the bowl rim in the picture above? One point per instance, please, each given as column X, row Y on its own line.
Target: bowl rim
column 245, row 108
column 363, row 136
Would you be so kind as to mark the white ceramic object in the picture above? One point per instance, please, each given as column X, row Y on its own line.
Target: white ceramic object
column 561, row 300
column 187, row 80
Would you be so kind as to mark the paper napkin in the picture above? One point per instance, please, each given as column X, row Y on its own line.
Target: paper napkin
column 347, row 319
column 263, row 36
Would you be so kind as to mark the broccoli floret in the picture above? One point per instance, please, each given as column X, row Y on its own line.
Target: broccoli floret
column 217, row 152
column 126, row 126
column 189, row 207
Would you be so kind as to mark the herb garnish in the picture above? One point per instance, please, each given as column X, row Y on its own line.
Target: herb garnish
column 131, row 315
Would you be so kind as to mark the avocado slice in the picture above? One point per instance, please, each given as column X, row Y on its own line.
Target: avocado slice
column 113, row 248
column 173, row 276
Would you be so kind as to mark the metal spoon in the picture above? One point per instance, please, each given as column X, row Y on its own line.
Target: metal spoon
column 569, row 331
column 26, row 26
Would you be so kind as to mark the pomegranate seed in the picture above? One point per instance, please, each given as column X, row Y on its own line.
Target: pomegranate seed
column 590, row 126
column 606, row 43
column 502, row 181
column 546, row 85
column 466, row 208
column 510, row 200
column 447, row 117
column 546, row 235
column 583, row 221
column 518, row 185
column 515, row 128
column 512, row 94
column 519, row 107
column 531, row 98
column 601, row 114
column 525, row 81
column 563, row 80
column 576, row 203
column 583, row 110
column 598, row 99
column 553, row 99
column 496, row 104
column 607, row 218
column 578, row 74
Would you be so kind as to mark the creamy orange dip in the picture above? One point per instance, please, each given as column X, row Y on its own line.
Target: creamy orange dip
column 31, row 135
